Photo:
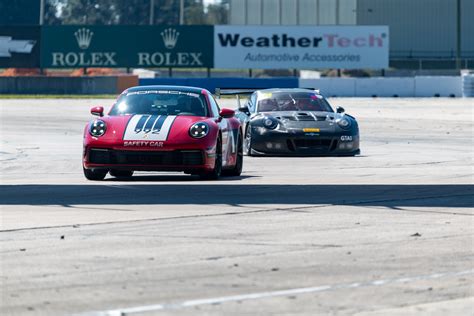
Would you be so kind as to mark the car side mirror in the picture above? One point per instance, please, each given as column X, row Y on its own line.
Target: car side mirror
column 226, row 113
column 97, row 111
column 340, row 109
column 244, row 109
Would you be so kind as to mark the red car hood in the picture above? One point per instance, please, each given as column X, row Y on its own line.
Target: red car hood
column 150, row 127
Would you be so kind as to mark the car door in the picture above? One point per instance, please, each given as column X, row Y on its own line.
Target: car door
column 251, row 105
column 228, row 141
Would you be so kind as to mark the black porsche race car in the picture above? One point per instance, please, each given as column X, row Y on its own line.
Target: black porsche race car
column 297, row 122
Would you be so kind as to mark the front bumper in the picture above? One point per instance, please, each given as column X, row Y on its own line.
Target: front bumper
column 188, row 160
column 298, row 143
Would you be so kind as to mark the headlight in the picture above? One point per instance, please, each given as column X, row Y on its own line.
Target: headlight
column 344, row 123
column 97, row 128
column 270, row 122
column 199, row 130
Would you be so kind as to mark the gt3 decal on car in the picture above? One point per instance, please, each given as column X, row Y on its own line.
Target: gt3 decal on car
column 151, row 127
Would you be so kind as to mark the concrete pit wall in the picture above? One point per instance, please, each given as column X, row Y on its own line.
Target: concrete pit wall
column 422, row 86
column 66, row 85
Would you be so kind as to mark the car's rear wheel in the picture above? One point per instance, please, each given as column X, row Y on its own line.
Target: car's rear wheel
column 94, row 174
column 248, row 141
column 237, row 169
column 215, row 173
column 121, row 173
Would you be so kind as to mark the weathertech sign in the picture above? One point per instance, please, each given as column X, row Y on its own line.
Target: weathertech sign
column 307, row 47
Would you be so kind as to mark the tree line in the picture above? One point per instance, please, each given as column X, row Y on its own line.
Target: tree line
column 112, row 12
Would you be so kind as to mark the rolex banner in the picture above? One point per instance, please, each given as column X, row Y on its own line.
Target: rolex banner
column 127, row 46
column 19, row 46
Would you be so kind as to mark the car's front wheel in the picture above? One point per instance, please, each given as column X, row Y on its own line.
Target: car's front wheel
column 215, row 173
column 94, row 175
column 248, row 141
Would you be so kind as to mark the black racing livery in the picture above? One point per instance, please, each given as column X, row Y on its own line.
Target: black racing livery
column 295, row 122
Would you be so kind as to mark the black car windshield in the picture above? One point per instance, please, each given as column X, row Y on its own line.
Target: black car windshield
column 161, row 102
column 292, row 101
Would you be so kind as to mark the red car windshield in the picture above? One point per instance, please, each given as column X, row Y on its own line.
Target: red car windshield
column 161, row 102
column 292, row 101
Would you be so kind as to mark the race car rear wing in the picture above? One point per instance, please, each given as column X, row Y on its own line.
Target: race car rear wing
column 237, row 92
column 233, row 91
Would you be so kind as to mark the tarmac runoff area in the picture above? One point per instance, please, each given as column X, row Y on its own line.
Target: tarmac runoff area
column 389, row 232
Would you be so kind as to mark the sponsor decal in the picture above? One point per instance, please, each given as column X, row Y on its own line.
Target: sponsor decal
column 149, row 127
column 83, row 38
column 278, row 47
column 191, row 94
column 284, row 40
column 170, row 39
column 136, row 143
column 77, row 46
column 311, row 130
column 169, row 59
column 9, row 46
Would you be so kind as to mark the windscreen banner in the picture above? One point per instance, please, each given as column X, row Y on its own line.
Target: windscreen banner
column 127, row 46
column 301, row 47
column 19, row 46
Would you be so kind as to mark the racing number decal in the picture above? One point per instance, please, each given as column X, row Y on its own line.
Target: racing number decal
column 148, row 127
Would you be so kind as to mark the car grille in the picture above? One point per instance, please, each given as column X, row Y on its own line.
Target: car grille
column 312, row 144
column 305, row 117
column 122, row 157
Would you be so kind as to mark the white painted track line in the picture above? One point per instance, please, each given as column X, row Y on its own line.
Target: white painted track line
column 269, row 294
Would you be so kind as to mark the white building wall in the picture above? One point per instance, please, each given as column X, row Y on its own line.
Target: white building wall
column 467, row 27
column 418, row 28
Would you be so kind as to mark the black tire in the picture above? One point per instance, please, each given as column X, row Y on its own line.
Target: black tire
column 121, row 173
column 94, row 175
column 248, row 141
column 237, row 169
column 216, row 172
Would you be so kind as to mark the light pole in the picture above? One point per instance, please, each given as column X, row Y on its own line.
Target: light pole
column 41, row 17
column 152, row 11
column 458, row 34
column 181, row 12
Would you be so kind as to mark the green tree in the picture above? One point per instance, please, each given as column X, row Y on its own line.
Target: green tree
column 217, row 13
column 89, row 12
column 194, row 12
column 51, row 12
column 132, row 12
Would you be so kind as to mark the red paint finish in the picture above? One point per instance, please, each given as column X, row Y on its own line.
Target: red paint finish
column 178, row 139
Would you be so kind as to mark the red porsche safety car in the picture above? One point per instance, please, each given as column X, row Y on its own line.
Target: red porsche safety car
column 163, row 128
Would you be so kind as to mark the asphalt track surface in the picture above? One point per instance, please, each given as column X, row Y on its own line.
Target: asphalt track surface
column 389, row 232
